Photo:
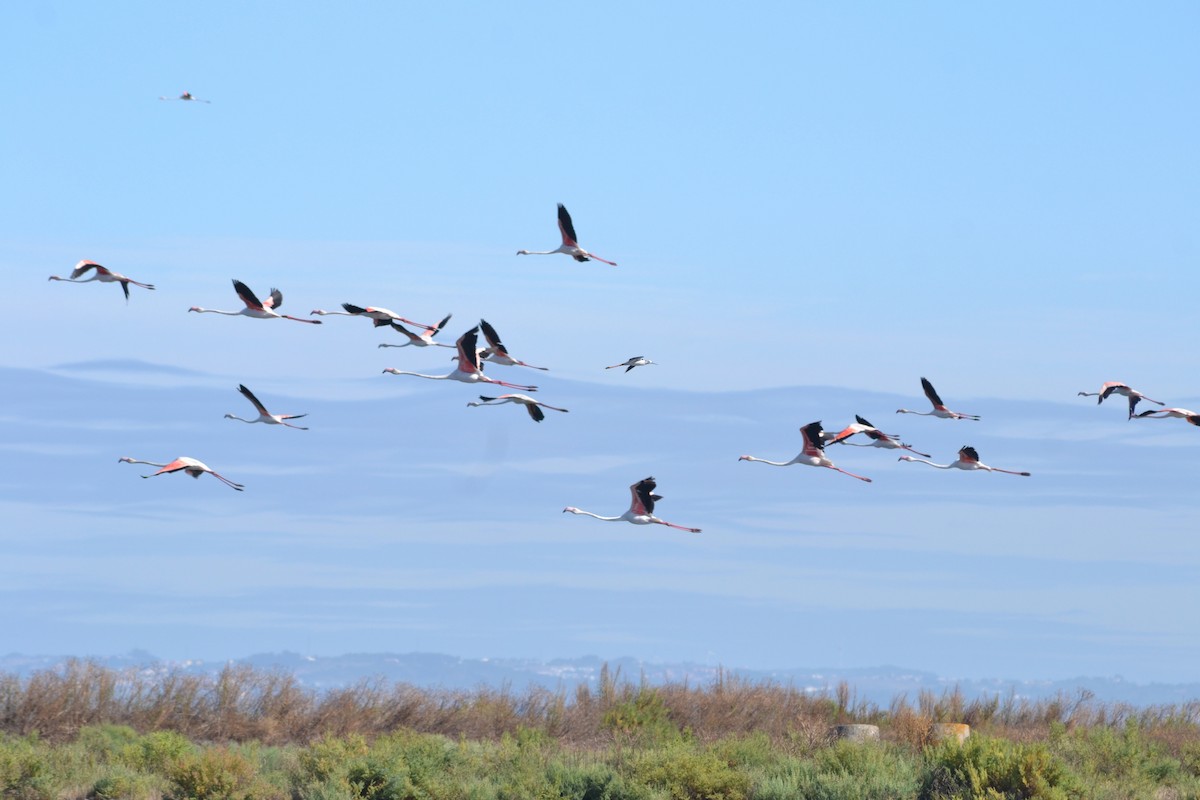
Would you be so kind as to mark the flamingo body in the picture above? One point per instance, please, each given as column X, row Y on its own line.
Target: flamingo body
column 878, row 438
column 423, row 339
column 641, row 508
column 470, row 367
column 190, row 466
column 534, row 407
column 101, row 274
column 255, row 308
column 1116, row 387
column 570, row 242
column 265, row 416
column 968, row 459
column 939, row 408
column 813, row 455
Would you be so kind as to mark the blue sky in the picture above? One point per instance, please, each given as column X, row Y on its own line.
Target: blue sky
column 850, row 196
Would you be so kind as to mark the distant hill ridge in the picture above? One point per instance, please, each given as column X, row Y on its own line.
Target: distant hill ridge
column 879, row 685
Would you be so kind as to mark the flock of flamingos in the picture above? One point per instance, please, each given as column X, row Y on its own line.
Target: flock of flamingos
column 471, row 358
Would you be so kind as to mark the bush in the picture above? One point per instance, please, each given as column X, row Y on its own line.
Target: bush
column 215, row 774
column 996, row 768
column 690, row 775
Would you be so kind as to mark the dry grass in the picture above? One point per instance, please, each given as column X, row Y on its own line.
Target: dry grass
column 242, row 704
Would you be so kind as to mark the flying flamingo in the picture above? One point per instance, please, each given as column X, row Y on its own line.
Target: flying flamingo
column 186, row 96
column 103, row 274
column 496, row 352
column 570, row 245
column 1166, row 413
column 630, row 363
column 1116, row 387
column 425, row 339
column 812, row 455
column 530, row 404
column 878, row 438
column 254, row 308
column 470, row 368
column 264, row 415
column 939, row 409
column 189, row 465
column 380, row 316
column 641, row 510
column 968, row 459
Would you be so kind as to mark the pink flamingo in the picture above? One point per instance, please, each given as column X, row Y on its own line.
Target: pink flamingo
column 379, row 316
column 496, row 352
column 189, row 465
column 968, row 459
column 1116, row 387
column 265, row 416
column 530, row 404
column 641, row 509
column 1167, row 413
column 878, row 438
column 102, row 274
column 812, row 455
column 187, row 96
column 570, row 245
column 939, row 408
column 255, row 308
column 470, row 368
column 424, row 339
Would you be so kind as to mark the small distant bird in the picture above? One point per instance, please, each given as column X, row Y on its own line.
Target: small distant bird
column 424, row 339
column 1116, row 387
column 641, row 510
column 186, row 96
column 530, row 404
column 380, row 316
column 470, row 368
column 1166, row 413
column 630, row 363
column 496, row 352
column 878, row 438
column 102, row 274
column 939, row 408
column 968, row 459
column 570, row 245
column 812, row 455
column 254, row 307
column 183, row 464
column 264, row 415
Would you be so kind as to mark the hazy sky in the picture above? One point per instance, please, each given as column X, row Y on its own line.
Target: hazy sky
column 1001, row 197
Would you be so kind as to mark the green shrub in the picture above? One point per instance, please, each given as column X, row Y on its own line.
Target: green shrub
column 122, row 783
column 24, row 772
column 982, row 767
column 214, row 773
column 690, row 775
column 374, row 780
column 156, row 751
column 329, row 757
column 643, row 719
column 106, row 742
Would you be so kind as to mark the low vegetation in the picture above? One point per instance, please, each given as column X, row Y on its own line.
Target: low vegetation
column 87, row 732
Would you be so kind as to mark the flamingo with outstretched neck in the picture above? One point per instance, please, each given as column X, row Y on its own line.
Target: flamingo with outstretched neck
column 531, row 405
column 641, row 509
column 496, row 352
column 378, row 316
column 191, row 466
column 1116, row 387
column 813, row 455
column 265, row 416
column 570, row 242
column 888, row 441
column 470, row 367
column 939, row 408
column 968, row 459
column 102, row 274
column 255, row 308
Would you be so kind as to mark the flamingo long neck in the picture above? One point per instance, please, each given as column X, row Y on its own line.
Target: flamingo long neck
column 918, row 413
column 215, row 311
column 930, row 463
column 539, row 252
column 772, row 463
column 420, row 375
column 139, row 461
column 75, row 280
column 597, row 516
column 239, row 419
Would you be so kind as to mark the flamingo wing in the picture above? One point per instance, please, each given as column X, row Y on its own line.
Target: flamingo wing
column 968, row 453
column 353, row 309
column 535, row 412
column 248, row 297
column 275, row 300
column 862, row 421
column 441, row 325
column 493, row 338
column 176, row 465
column 812, row 438
column 931, row 393
column 468, row 358
column 567, row 227
column 643, row 497
column 83, row 267
column 249, row 395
